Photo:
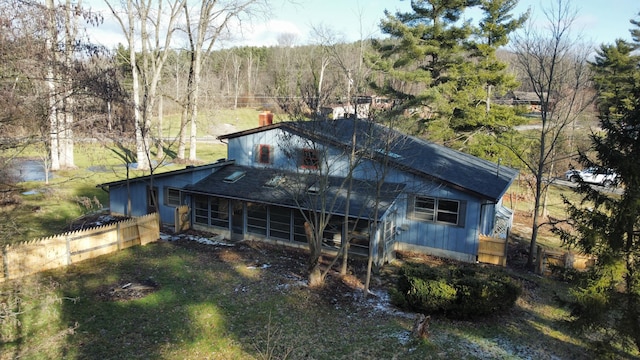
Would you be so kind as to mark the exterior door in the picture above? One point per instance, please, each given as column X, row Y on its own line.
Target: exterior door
column 237, row 220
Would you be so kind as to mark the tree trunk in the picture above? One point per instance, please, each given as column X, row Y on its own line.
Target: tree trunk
column 69, row 101
column 488, row 101
column 537, row 199
column 160, row 142
column 109, row 116
column 182, row 137
column 315, row 275
column 236, row 75
column 194, row 96
column 51, row 42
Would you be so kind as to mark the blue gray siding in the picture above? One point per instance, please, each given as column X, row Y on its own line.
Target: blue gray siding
column 461, row 239
column 138, row 192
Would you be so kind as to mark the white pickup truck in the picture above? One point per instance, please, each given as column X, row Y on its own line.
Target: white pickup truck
column 593, row 175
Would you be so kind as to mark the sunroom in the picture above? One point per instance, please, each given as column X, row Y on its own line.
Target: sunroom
column 243, row 203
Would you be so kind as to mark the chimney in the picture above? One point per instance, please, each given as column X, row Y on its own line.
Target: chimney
column 265, row 118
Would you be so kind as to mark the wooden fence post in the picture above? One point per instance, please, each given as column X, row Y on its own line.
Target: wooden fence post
column 118, row 237
column 68, row 242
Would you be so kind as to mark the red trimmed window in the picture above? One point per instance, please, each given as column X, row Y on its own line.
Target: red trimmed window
column 310, row 159
column 264, row 154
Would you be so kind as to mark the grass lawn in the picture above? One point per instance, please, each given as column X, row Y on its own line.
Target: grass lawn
column 212, row 123
column 250, row 301
column 46, row 209
column 245, row 301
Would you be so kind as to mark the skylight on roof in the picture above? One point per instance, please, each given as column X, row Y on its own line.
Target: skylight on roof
column 314, row 189
column 274, row 181
column 390, row 154
column 237, row 175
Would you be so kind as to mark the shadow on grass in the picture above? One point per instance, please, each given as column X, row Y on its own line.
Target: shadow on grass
column 182, row 314
column 238, row 302
column 229, row 303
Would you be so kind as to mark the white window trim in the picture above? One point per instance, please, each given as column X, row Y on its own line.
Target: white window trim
column 431, row 215
column 167, row 198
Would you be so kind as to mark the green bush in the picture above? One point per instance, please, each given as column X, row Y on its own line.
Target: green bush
column 461, row 292
column 430, row 296
column 483, row 296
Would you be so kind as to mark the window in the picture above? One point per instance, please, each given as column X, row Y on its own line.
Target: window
column 424, row 208
column 152, row 198
column 275, row 181
column 280, row 223
column 264, row 154
column 211, row 211
column 219, row 212
column 201, row 205
column 257, row 218
column 172, row 197
column 310, row 159
column 448, row 211
column 436, row 210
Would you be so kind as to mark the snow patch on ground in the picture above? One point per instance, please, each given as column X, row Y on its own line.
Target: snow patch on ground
column 263, row 266
column 104, row 219
column 217, row 240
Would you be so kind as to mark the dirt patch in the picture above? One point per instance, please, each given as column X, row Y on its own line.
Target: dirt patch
column 288, row 266
column 127, row 290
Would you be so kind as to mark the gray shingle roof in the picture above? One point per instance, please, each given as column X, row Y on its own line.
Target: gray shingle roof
column 187, row 169
column 459, row 170
column 252, row 187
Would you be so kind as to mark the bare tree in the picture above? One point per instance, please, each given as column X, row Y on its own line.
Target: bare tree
column 339, row 185
column 351, row 65
column 155, row 27
column 51, row 42
column 555, row 66
column 70, row 15
column 63, row 43
column 214, row 20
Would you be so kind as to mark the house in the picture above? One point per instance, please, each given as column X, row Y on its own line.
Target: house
column 135, row 197
column 364, row 104
column 388, row 192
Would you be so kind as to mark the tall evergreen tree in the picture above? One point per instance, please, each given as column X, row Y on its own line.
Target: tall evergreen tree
column 493, row 32
column 608, row 227
column 491, row 79
column 605, row 225
column 617, row 78
column 421, row 62
column 442, row 69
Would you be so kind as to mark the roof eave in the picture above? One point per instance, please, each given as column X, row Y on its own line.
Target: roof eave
column 164, row 174
column 250, row 131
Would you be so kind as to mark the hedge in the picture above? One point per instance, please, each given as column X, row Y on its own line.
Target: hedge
column 457, row 292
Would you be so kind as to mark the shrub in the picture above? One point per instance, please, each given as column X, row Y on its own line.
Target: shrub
column 461, row 292
column 483, row 296
column 430, row 296
column 422, row 288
